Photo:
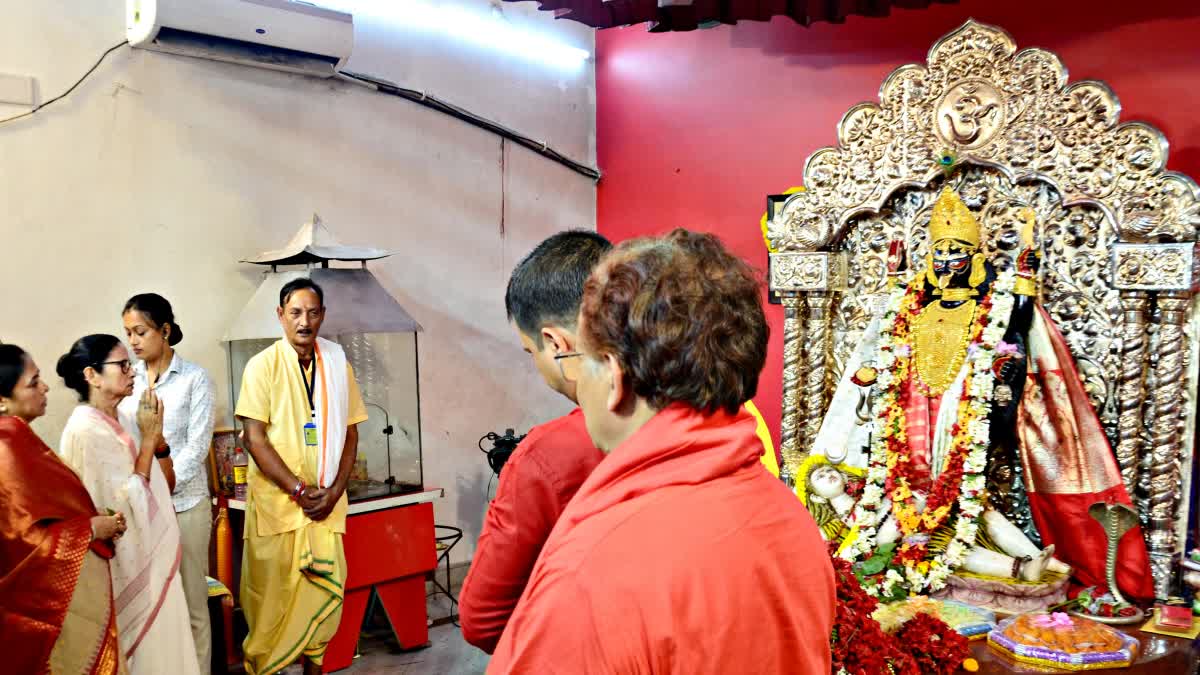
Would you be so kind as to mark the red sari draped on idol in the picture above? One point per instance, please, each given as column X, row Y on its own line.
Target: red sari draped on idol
column 45, row 539
column 1067, row 461
column 1069, row 465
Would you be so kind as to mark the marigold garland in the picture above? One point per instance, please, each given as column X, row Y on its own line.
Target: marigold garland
column 890, row 472
column 902, row 473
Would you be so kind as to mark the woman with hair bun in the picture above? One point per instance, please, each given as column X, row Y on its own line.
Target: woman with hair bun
column 122, row 475
column 56, row 601
column 187, row 394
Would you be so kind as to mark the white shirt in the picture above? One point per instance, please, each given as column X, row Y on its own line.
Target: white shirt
column 187, row 395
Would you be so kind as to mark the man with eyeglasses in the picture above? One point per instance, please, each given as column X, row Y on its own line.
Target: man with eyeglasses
column 550, row 465
column 547, row 468
column 678, row 554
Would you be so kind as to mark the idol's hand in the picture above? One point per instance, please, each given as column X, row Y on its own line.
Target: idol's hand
column 1007, row 366
column 897, row 257
column 1028, row 262
column 1010, row 369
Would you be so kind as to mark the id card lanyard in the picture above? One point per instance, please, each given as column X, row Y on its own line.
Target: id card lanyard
column 310, row 429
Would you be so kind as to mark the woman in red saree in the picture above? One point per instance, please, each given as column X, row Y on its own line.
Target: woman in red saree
column 56, row 604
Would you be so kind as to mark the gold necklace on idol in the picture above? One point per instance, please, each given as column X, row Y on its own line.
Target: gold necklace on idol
column 939, row 343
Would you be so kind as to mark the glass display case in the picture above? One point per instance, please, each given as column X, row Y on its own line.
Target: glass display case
column 389, row 442
column 380, row 341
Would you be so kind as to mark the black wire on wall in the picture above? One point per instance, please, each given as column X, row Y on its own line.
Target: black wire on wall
column 66, row 93
column 391, row 89
column 434, row 103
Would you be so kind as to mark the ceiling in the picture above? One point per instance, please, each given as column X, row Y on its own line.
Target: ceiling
column 683, row 15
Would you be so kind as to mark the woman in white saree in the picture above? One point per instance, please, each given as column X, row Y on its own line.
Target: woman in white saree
column 152, row 616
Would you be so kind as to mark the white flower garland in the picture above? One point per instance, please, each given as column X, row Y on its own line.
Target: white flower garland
column 978, row 392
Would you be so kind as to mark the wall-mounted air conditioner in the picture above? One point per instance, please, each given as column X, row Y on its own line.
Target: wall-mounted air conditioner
column 287, row 35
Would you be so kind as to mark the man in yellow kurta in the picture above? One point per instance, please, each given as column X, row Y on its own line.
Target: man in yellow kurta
column 769, row 460
column 300, row 406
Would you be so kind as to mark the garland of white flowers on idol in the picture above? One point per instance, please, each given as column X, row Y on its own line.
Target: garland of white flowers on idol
column 970, row 443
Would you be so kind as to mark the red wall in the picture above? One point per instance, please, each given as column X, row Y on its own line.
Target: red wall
column 695, row 129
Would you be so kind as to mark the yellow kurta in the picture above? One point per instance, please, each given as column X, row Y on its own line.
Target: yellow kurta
column 293, row 569
column 769, row 459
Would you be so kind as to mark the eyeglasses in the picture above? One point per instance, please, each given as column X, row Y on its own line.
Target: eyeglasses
column 558, row 358
column 123, row 364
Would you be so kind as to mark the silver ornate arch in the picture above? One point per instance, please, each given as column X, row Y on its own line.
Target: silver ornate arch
column 1117, row 231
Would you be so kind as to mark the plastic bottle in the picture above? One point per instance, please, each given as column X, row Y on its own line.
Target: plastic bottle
column 241, row 465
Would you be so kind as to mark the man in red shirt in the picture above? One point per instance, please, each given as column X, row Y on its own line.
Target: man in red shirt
column 679, row 554
column 547, row 468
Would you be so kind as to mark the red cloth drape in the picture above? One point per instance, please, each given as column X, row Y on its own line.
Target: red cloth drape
column 1069, row 465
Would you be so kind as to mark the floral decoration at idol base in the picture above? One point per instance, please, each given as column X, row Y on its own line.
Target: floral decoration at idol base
column 913, row 643
column 986, row 578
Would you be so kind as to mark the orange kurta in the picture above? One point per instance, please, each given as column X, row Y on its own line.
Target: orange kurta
column 537, row 483
column 680, row 554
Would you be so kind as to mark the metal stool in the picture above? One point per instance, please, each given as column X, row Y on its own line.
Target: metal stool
column 445, row 539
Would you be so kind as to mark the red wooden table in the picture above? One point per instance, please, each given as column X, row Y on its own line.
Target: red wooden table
column 390, row 547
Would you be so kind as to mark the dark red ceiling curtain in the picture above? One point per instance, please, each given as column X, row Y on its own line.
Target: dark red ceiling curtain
column 693, row 14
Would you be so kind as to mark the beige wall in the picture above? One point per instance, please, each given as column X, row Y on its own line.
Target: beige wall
column 160, row 172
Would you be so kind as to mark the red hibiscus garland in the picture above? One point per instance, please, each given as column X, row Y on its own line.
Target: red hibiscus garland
column 932, row 644
column 924, row 645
